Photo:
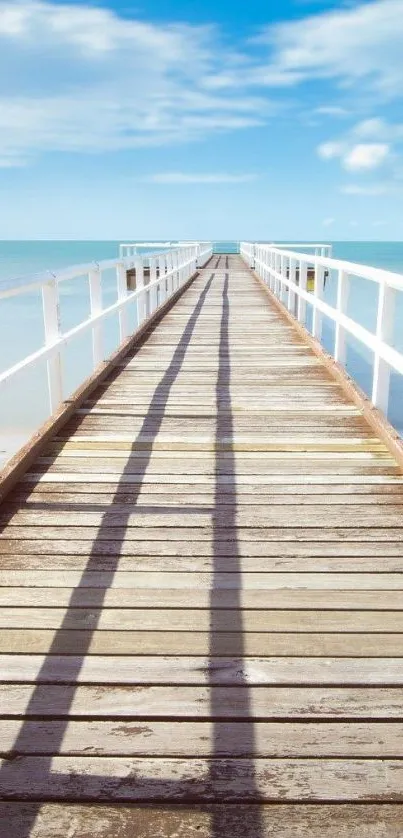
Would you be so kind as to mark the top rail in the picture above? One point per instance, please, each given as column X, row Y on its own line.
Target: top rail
column 319, row 249
column 286, row 272
column 127, row 250
column 166, row 272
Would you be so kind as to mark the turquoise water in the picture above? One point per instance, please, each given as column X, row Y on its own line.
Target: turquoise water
column 24, row 403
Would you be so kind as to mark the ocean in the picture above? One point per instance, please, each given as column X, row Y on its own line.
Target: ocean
column 24, row 403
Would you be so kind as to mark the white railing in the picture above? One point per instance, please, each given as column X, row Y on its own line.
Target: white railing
column 317, row 249
column 127, row 250
column 286, row 272
column 165, row 273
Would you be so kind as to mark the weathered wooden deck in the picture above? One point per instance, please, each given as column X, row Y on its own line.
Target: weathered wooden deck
column 201, row 591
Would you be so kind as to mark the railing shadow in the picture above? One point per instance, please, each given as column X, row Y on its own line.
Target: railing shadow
column 251, row 818
column 12, row 774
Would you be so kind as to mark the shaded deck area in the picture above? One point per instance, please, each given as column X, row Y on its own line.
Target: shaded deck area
column 201, row 595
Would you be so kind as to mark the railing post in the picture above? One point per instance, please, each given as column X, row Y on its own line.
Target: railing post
column 302, row 283
column 158, row 273
column 51, row 320
column 384, row 333
column 175, row 275
column 170, row 280
column 141, row 299
column 180, row 268
column 291, row 293
column 94, row 278
column 153, row 291
column 277, row 283
column 122, row 294
column 164, row 268
column 318, row 294
column 272, row 264
column 343, row 285
column 283, row 271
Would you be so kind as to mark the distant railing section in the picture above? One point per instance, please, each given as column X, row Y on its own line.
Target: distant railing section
column 286, row 272
column 166, row 272
column 317, row 249
column 131, row 249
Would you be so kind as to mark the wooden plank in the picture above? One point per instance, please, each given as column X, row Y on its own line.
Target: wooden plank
column 205, row 583
column 199, row 619
column 225, row 458
column 164, row 669
column 249, row 518
column 350, row 557
column 163, row 702
column 362, row 492
column 223, row 480
column 138, row 779
column 353, row 448
column 318, row 448
column 54, row 820
column 85, row 596
column 115, row 549
column 76, row 539
column 214, row 644
column 149, row 501
column 202, row 739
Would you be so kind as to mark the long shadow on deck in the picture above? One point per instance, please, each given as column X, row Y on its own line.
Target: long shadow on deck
column 224, row 736
column 12, row 775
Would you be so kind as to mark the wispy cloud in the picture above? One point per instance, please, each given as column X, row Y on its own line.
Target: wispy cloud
column 203, row 178
column 81, row 78
column 331, row 149
column 357, row 45
column 367, row 189
column 332, row 110
column 328, row 222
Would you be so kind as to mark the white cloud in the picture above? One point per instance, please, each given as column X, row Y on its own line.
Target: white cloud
column 186, row 178
column 76, row 77
column 332, row 110
column 368, row 189
column 366, row 156
column 359, row 156
column 327, row 222
column 330, row 150
column 357, row 45
column 81, row 78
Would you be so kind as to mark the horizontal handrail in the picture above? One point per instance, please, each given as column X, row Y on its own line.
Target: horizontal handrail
column 286, row 274
column 378, row 275
column 30, row 282
column 319, row 249
column 127, row 249
column 167, row 271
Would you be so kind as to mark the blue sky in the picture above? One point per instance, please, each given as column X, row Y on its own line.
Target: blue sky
column 187, row 120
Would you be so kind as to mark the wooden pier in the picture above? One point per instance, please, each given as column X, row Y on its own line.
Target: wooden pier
column 201, row 593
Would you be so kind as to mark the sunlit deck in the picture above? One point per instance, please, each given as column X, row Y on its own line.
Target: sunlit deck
column 201, row 591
